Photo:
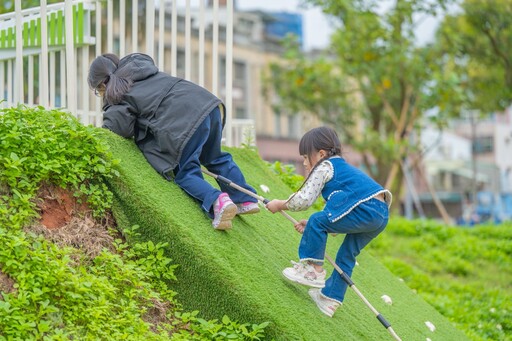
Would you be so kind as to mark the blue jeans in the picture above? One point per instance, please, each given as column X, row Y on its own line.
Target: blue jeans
column 204, row 148
column 361, row 225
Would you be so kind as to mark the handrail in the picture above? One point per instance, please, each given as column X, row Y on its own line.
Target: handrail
column 36, row 10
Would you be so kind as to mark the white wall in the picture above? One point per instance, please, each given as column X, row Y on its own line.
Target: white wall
column 444, row 145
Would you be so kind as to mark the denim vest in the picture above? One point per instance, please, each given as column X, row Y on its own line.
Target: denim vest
column 348, row 188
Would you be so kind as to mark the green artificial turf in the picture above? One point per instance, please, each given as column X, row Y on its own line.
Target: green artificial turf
column 238, row 272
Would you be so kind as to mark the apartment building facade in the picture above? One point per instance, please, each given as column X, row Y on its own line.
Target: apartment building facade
column 470, row 166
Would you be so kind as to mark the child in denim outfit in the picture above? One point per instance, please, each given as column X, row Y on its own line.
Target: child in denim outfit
column 355, row 205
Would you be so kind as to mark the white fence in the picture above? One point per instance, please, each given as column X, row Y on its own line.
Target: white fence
column 48, row 63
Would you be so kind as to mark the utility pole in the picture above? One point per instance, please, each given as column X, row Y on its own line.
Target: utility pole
column 473, row 122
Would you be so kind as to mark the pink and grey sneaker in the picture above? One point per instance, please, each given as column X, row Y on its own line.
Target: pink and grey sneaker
column 224, row 210
column 305, row 273
column 326, row 305
column 248, row 208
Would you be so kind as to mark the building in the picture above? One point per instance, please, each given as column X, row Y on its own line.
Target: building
column 469, row 166
column 257, row 40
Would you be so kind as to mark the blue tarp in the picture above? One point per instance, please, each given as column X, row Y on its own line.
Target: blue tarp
column 506, row 201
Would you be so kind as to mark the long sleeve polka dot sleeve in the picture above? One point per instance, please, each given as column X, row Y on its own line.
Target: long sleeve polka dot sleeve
column 312, row 189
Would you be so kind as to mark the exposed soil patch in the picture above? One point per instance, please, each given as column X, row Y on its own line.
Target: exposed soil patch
column 58, row 206
column 6, row 285
column 157, row 314
column 83, row 233
column 67, row 222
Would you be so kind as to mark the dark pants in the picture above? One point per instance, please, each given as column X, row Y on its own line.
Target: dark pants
column 204, row 148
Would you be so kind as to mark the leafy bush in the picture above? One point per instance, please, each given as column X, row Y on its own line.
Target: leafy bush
column 55, row 296
column 287, row 174
column 49, row 146
column 111, row 297
column 63, row 293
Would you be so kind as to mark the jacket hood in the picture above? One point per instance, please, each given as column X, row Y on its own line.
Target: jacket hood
column 137, row 66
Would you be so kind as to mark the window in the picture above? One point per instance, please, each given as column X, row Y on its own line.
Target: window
column 240, row 112
column 484, row 144
column 294, row 126
column 239, row 72
column 277, row 127
column 180, row 63
column 222, row 71
column 240, row 89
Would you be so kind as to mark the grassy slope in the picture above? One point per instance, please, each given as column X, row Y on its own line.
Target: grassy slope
column 238, row 273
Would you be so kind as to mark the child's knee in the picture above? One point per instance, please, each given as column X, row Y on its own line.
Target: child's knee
column 317, row 221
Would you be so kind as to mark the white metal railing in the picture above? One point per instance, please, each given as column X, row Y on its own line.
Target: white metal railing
column 57, row 52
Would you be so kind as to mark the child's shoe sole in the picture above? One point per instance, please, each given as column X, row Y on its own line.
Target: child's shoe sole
column 317, row 298
column 248, row 208
column 251, row 211
column 290, row 273
column 227, row 215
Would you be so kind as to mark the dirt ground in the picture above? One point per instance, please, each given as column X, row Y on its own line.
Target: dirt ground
column 57, row 207
column 67, row 221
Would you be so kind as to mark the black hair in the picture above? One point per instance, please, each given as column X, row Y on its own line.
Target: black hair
column 320, row 138
column 104, row 70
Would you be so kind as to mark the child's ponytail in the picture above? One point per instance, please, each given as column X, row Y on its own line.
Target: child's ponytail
column 321, row 138
column 104, row 72
column 116, row 87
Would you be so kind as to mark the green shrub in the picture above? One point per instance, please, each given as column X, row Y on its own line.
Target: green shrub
column 59, row 298
column 465, row 273
column 55, row 295
column 63, row 293
column 40, row 146
column 287, row 174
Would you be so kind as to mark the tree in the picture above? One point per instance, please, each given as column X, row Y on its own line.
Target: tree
column 477, row 42
column 374, row 85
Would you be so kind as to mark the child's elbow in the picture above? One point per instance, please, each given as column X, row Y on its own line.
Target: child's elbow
column 127, row 133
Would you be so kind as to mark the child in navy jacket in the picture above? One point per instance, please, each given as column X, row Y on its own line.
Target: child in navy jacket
column 177, row 125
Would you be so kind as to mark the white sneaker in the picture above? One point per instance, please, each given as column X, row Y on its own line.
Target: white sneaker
column 326, row 305
column 304, row 273
column 224, row 211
